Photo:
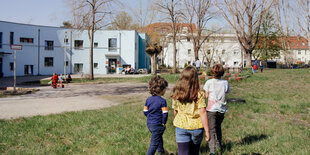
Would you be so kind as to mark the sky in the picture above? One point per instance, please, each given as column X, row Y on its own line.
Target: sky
column 40, row 12
column 37, row 12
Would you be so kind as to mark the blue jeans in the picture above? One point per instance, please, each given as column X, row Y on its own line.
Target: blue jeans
column 156, row 143
column 183, row 135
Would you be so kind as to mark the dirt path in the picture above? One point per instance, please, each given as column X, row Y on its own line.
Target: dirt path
column 71, row 98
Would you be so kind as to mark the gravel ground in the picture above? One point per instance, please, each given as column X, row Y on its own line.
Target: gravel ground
column 73, row 97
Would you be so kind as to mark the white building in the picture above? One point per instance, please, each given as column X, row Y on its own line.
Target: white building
column 225, row 49
column 49, row 49
column 218, row 48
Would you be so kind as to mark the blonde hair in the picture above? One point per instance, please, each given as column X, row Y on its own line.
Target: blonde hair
column 187, row 87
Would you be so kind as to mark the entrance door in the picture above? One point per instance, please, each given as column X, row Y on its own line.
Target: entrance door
column 1, row 74
column 28, row 70
column 112, row 66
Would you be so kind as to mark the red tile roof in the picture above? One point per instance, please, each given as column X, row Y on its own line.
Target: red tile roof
column 298, row 43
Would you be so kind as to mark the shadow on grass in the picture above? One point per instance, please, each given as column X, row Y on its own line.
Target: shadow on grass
column 248, row 140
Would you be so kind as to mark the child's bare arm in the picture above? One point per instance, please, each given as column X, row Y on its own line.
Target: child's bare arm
column 207, row 94
column 205, row 123
column 175, row 112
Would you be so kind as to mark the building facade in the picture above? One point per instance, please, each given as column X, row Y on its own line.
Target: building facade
column 47, row 50
column 218, row 48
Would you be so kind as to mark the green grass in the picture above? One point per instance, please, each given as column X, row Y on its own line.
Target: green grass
column 274, row 120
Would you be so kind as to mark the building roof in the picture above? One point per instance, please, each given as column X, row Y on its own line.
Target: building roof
column 167, row 27
column 297, row 43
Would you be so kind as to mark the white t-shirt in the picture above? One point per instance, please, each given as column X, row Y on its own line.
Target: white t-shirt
column 217, row 89
column 198, row 63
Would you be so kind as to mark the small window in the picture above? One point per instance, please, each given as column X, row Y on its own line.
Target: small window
column 188, row 39
column 236, row 63
column 299, row 52
column 296, row 44
column 49, row 45
column 67, row 63
column 25, row 40
column 0, row 39
column 303, row 44
column 11, row 38
column 112, row 44
column 188, row 62
column 95, row 44
column 11, row 66
column 66, row 40
column 48, row 61
column 189, row 51
column 236, row 52
column 96, row 65
column 78, row 44
column 223, row 51
column 78, row 67
column 209, row 51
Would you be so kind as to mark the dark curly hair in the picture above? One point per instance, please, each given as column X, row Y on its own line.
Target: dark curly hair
column 157, row 85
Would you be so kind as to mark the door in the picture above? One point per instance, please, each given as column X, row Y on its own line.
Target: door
column 1, row 74
column 28, row 70
column 112, row 66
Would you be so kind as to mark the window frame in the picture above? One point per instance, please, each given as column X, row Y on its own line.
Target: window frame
column 50, row 63
column 80, row 43
column 47, row 46
column 112, row 42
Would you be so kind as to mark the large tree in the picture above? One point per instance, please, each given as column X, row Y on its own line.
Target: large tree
column 245, row 17
column 269, row 42
column 197, row 14
column 91, row 15
column 172, row 9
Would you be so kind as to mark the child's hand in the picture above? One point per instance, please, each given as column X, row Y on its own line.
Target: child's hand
column 164, row 125
column 207, row 136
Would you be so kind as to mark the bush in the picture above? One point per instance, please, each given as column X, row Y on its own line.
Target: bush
column 185, row 65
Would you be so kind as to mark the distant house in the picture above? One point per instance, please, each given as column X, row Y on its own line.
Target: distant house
column 52, row 49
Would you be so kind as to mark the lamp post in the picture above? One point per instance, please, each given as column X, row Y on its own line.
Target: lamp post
column 65, row 52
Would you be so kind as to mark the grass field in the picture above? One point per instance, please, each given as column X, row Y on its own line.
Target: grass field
column 274, row 120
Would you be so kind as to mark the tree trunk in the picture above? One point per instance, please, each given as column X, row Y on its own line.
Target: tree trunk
column 248, row 59
column 174, row 68
column 91, row 51
column 153, row 64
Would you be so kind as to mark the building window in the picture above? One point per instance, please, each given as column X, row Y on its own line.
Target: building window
column 303, row 44
column 48, row 61
column 0, row 39
column 209, row 51
column 49, row 45
column 26, row 40
column 11, row 66
column 95, row 44
column 236, row 63
column 112, row 44
column 235, row 52
column 78, row 44
column 78, row 68
column 223, row 51
column 67, row 63
column 11, row 38
column 66, row 40
column 188, row 39
column 189, row 51
column 96, row 65
column 299, row 52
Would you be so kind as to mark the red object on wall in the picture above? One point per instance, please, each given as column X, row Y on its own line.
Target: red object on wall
column 107, row 62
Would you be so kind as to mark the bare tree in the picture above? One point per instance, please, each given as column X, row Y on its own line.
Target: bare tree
column 91, row 15
column 145, row 13
column 283, row 12
column 245, row 17
column 170, row 7
column 197, row 11
column 303, row 18
column 122, row 21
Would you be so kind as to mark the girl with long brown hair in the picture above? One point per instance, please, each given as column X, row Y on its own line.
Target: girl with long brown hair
column 189, row 106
